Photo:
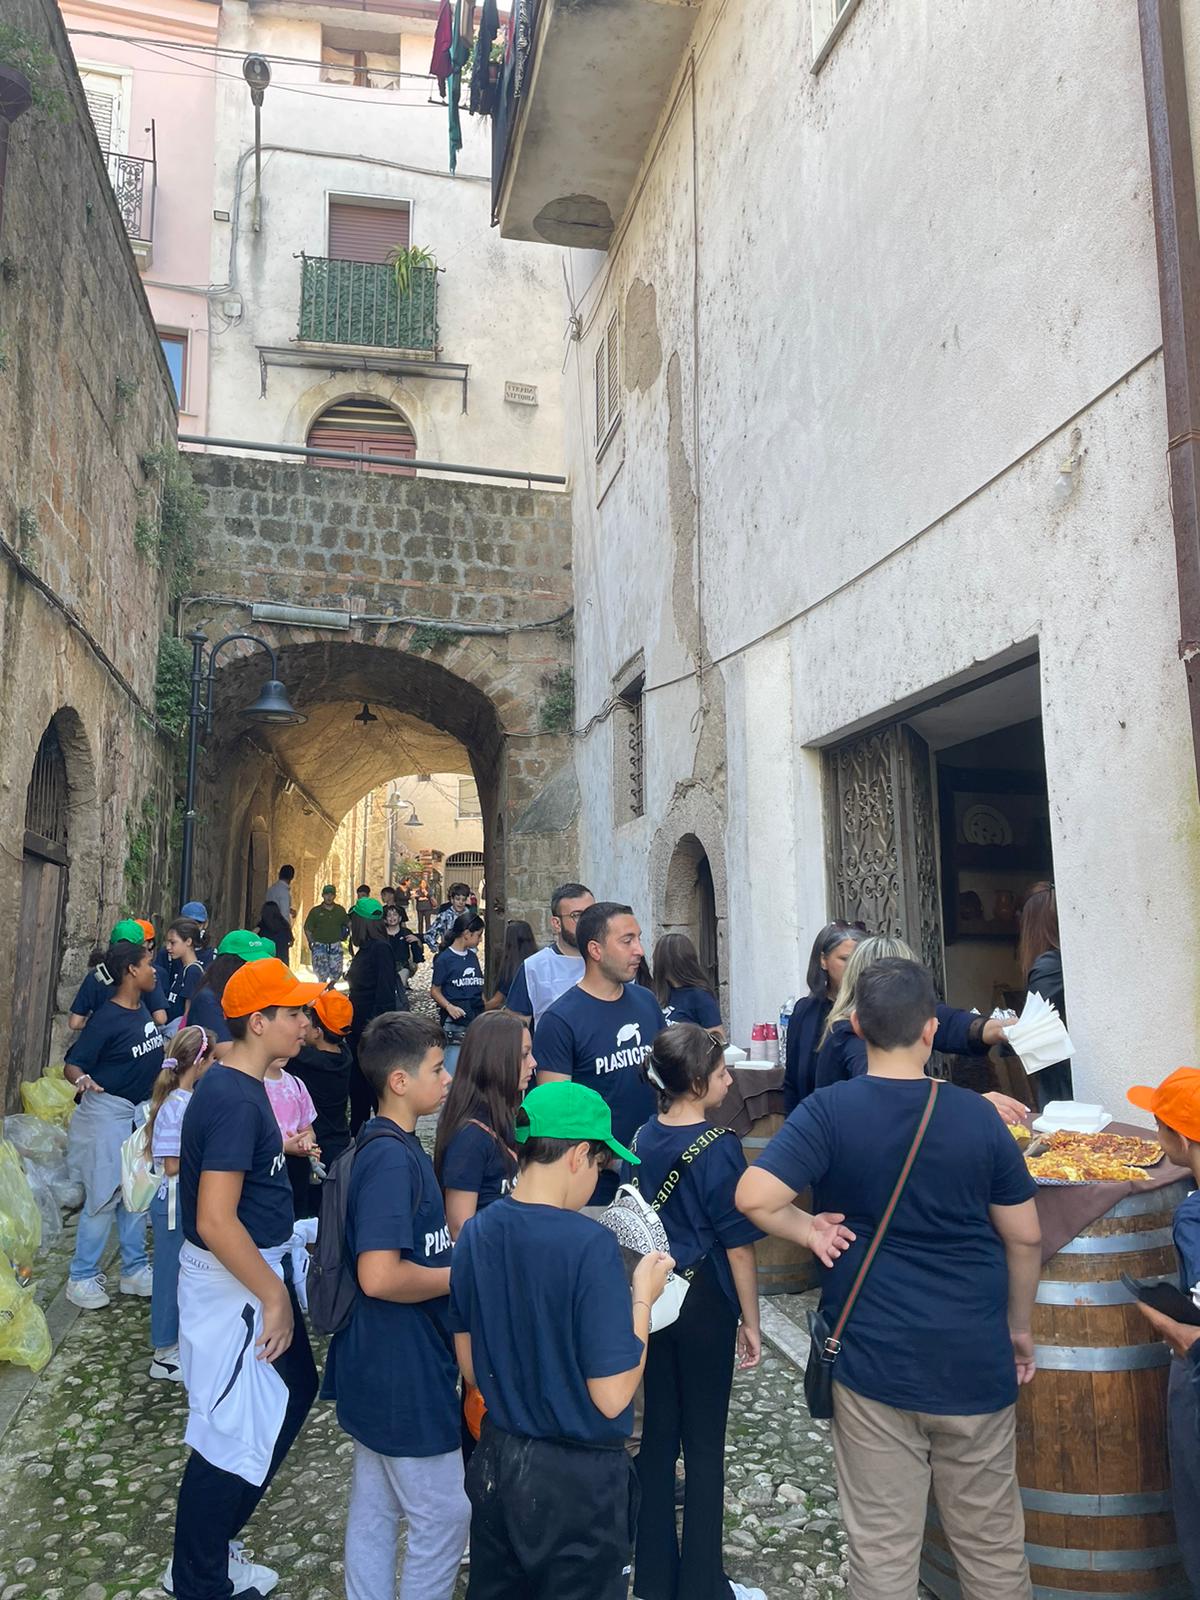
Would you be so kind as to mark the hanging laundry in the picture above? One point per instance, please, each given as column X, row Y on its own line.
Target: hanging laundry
column 458, row 55
column 483, row 81
column 441, row 64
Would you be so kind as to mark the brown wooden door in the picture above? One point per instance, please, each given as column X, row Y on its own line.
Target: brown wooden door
column 43, row 892
column 883, row 840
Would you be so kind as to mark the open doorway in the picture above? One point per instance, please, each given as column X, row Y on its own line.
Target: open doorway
column 690, row 905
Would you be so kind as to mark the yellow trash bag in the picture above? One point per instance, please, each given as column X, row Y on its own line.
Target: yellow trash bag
column 50, row 1097
column 24, row 1336
column 20, row 1219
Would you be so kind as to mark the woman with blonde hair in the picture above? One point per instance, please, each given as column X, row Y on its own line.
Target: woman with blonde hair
column 843, row 1053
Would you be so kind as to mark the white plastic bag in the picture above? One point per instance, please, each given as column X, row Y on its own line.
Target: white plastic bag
column 139, row 1180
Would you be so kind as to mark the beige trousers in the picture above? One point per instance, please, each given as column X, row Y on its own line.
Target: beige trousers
column 886, row 1461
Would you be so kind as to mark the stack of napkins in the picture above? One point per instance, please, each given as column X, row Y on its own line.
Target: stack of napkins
column 1038, row 1036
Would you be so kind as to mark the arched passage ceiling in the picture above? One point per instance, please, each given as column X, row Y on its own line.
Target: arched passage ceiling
column 429, row 719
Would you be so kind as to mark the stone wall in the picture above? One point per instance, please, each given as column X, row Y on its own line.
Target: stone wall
column 84, row 393
column 460, row 595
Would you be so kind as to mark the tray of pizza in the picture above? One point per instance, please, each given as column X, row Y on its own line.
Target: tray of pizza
column 1065, row 1158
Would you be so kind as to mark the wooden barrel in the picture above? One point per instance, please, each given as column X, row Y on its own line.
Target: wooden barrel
column 1092, row 1426
column 783, row 1267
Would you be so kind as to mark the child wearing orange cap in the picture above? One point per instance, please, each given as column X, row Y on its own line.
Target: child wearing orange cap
column 1175, row 1106
column 243, row 1346
column 323, row 1067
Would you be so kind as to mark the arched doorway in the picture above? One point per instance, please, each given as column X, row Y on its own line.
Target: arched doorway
column 366, row 427
column 465, row 866
column 690, row 904
column 43, row 897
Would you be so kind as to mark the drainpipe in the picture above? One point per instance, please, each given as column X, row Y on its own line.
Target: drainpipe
column 1177, row 238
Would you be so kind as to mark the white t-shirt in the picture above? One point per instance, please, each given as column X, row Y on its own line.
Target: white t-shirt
column 281, row 893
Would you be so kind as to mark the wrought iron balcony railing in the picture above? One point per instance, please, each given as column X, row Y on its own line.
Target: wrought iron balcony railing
column 134, row 183
column 357, row 302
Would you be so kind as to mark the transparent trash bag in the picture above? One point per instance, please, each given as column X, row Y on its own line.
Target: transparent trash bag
column 43, row 1196
column 20, row 1220
column 24, row 1336
column 43, row 1142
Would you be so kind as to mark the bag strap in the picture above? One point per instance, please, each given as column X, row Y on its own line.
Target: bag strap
column 686, row 1157
column 474, row 1122
column 835, row 1337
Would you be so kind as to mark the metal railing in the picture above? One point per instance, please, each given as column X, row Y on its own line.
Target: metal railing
column 357, row 302
column 134, row 184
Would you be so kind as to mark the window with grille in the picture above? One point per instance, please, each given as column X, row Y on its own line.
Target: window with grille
column 46, row 798
column 468, row 798
column 629, row 752
column 608, row 384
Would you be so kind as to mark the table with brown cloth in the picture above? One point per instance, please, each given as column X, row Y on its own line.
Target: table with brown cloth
column 755, row 1092
column 1065, row 1211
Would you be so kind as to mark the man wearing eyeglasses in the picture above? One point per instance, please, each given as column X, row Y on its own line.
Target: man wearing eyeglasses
column 551, row 972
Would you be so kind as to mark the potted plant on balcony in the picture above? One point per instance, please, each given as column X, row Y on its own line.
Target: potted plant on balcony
column 403, row 259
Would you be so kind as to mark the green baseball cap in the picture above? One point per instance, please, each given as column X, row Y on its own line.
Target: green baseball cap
column 241, row 942
column 330, row 888
column 127, row 931
column 372, row 910
column 568, row 1111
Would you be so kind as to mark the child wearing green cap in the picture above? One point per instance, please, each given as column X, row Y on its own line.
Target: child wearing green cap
column 98, row 985
column 545, row 1324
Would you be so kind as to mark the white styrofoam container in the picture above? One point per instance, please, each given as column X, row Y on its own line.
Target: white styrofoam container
column 734, row 1055
column 1075, row 1116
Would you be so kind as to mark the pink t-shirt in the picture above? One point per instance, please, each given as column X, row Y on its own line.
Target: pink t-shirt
column 291, row 1103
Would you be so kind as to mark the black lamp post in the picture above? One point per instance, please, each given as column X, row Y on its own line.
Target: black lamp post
column 272, row 706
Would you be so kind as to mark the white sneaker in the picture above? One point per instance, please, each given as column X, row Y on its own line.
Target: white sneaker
column 139, row 1283
column 88, row 1293
column 741, row 1592
column 165, row 1364
column 243, row 1573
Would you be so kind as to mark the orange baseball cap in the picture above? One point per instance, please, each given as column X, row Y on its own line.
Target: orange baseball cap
column 1176, row 1101
column 334, row 1010
column 146, row 927
column 264, row 983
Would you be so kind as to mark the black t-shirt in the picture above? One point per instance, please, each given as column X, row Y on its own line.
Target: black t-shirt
column 326, row 1076
column 121, row 1049
column 229, row 1127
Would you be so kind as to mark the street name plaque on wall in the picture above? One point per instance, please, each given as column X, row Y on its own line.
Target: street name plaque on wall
column 521, row 394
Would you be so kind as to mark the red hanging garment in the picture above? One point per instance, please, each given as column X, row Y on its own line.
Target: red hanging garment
column 441, row 65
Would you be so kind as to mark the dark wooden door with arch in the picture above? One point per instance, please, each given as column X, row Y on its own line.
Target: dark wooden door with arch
column 43, row 898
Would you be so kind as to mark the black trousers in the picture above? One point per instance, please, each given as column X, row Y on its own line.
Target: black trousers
column 549, row 1520
column 362, row 1096
column 689, row 1375
column 215, row 1505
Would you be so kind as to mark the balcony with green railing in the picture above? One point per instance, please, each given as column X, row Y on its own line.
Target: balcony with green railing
column 359, row 303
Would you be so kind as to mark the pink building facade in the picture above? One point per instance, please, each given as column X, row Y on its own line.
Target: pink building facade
column 149, row 70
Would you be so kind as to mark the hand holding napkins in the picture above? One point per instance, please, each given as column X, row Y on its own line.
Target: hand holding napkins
column 1038, row 1036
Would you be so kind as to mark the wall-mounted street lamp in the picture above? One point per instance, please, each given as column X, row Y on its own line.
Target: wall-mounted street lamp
column 257, row 73
column 272, row 707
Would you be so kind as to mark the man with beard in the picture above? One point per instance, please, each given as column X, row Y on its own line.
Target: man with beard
column 599, row 1032
column 549, row 973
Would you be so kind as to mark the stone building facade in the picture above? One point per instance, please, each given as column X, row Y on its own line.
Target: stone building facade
column 446, row 607
column 84, row 395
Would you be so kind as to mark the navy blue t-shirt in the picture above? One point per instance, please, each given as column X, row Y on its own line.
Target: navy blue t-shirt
column 603, row 1043
column 92, row 993
column 699, row 1214
column 204, row 1011
column 929, row 1331
column 184, row 984
column 460, row 978
column 844, row 1054
column 692, row 1005
column 545, row 1299
column 391, row 1369
column 477, row 1162
column 121, row 1049
column 1185, row 1230
column 229, row 1127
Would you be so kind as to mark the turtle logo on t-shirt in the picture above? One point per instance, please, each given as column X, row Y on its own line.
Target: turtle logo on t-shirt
column 630, row 1051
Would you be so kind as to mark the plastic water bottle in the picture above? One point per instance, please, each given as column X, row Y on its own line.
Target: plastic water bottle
column 784, row 1018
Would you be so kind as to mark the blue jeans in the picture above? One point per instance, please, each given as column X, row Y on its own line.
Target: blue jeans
column 164, row 1300
column 451, row 1057
column 92, row 1236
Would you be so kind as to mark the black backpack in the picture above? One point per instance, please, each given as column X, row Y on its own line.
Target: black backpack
column 332, row 1283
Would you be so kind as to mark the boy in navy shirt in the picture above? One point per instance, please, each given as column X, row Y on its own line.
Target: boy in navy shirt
column 391, row 1369
column 600, row 1032
column 1175, row 1105
column 925, row 1384
column 544, row 1323
column 242, row 1341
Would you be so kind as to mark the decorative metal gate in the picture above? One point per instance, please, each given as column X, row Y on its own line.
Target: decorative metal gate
column 883, row 840
column 43, row 896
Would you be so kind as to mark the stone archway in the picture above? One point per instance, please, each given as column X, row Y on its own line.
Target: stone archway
column 689, row 882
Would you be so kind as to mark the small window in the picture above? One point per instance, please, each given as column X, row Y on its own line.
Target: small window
column 359, row 231
column 468, row 798
column 629, row 748
column 107, row 95
column 343, row 62
column 174, row 347
column 608, row 384
column 829, row 19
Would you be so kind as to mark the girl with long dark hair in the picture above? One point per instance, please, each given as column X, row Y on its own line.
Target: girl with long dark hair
column 1040, row 958
column 374, row 989
column 113, row 1063
column 831, row 950
column 182, row 944
column 475, row 1152
column 689, row 1171
column 681, row 985
column 273, row 925
column 457, row 981
column 519, row 945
